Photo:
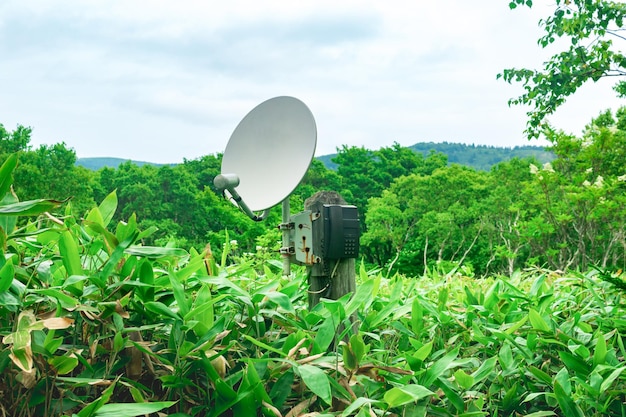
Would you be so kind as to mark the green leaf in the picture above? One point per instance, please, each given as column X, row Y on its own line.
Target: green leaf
column 541, row 414
column 132, row 409
column 8, row 223
column 179, row 294
column 94, row 406
column 562, row 377
column 516, row 325
column 464, row 380
column 93, row 225
column 6, row 174
column 485, row 369
column 118, row 342
column 65, row 300
column 63, row 364
column 398, row 396
column 156, row 252
column 325, row 335
column 317, row 381
column 202, row 310
column 423, row 352
column 107, row 208
column 540, row 375
column 161, row 309
column 566, row 403
column 280, row 300
column 264, row 345
column 575, row 363
column 94, row 217
column 606, row 384
column 357, row 346
column 417, row 316
column 30, row 208
column 599, row 354
column 538, row 322
column 364, row 293
column 6, row 276
column 505, row 357
column 69, row 254
column 357, row 404
column 439, row 367
column 349, row 360
column 282, row 388
column 146, row 276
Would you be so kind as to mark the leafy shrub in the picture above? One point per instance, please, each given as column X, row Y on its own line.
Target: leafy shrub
column 94, row 323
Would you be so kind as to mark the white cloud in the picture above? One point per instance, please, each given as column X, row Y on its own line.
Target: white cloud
column 162, row 80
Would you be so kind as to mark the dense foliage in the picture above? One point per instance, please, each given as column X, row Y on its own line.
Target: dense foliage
column 418, row 212
column 585, row 32
column 480, row 157
column 94, row 323
column 566, row 214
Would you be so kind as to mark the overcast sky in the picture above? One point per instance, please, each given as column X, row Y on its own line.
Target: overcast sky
column 161, row 81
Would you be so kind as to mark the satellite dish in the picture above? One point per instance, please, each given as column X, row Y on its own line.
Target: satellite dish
column 268, row 154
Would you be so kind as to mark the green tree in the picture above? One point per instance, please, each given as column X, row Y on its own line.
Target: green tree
column 425, row 219
column 15, row 141
column 48, row 170
column 204, row 169
column 318, row 178
column 590, row 29
column 365, row 173
column 505, row 208
column 579, row 199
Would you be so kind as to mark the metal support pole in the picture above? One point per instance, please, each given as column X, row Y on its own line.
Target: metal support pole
column 286, row 243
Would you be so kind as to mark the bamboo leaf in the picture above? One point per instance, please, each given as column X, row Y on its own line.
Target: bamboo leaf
column 485, row 369
column 6, row 276
column 6, row 174
column 156, row 252
column 358, row 404
column 146, row 276
column 398, row 396
column 69, row 254
column 357, row 346
column 160, row 308
column 30, row 208
column 439, row 367
column 179, row 294
column 538, row 322
column 325, row 335
column 8, row 223
column 132, row 409
column 317, row 381
column 599, row 354
column 107, row 208
column 63, row 364
column 606, row 384
column 566, row 403
column 464, row 380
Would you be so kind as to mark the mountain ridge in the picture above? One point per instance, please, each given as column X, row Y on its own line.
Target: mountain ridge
column 480, row 157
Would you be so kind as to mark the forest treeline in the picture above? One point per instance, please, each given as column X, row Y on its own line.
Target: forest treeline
column 418, row 211
column 481, row 157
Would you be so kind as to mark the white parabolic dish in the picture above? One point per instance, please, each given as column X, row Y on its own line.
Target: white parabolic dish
column 270, row 151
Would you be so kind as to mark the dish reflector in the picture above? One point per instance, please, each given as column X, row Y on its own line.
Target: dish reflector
column 270, row 151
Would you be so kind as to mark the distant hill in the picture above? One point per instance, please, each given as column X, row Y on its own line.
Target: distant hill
column 480, row 157
column 97, row 163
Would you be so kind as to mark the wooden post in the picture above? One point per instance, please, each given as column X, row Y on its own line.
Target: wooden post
column 330, row 278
